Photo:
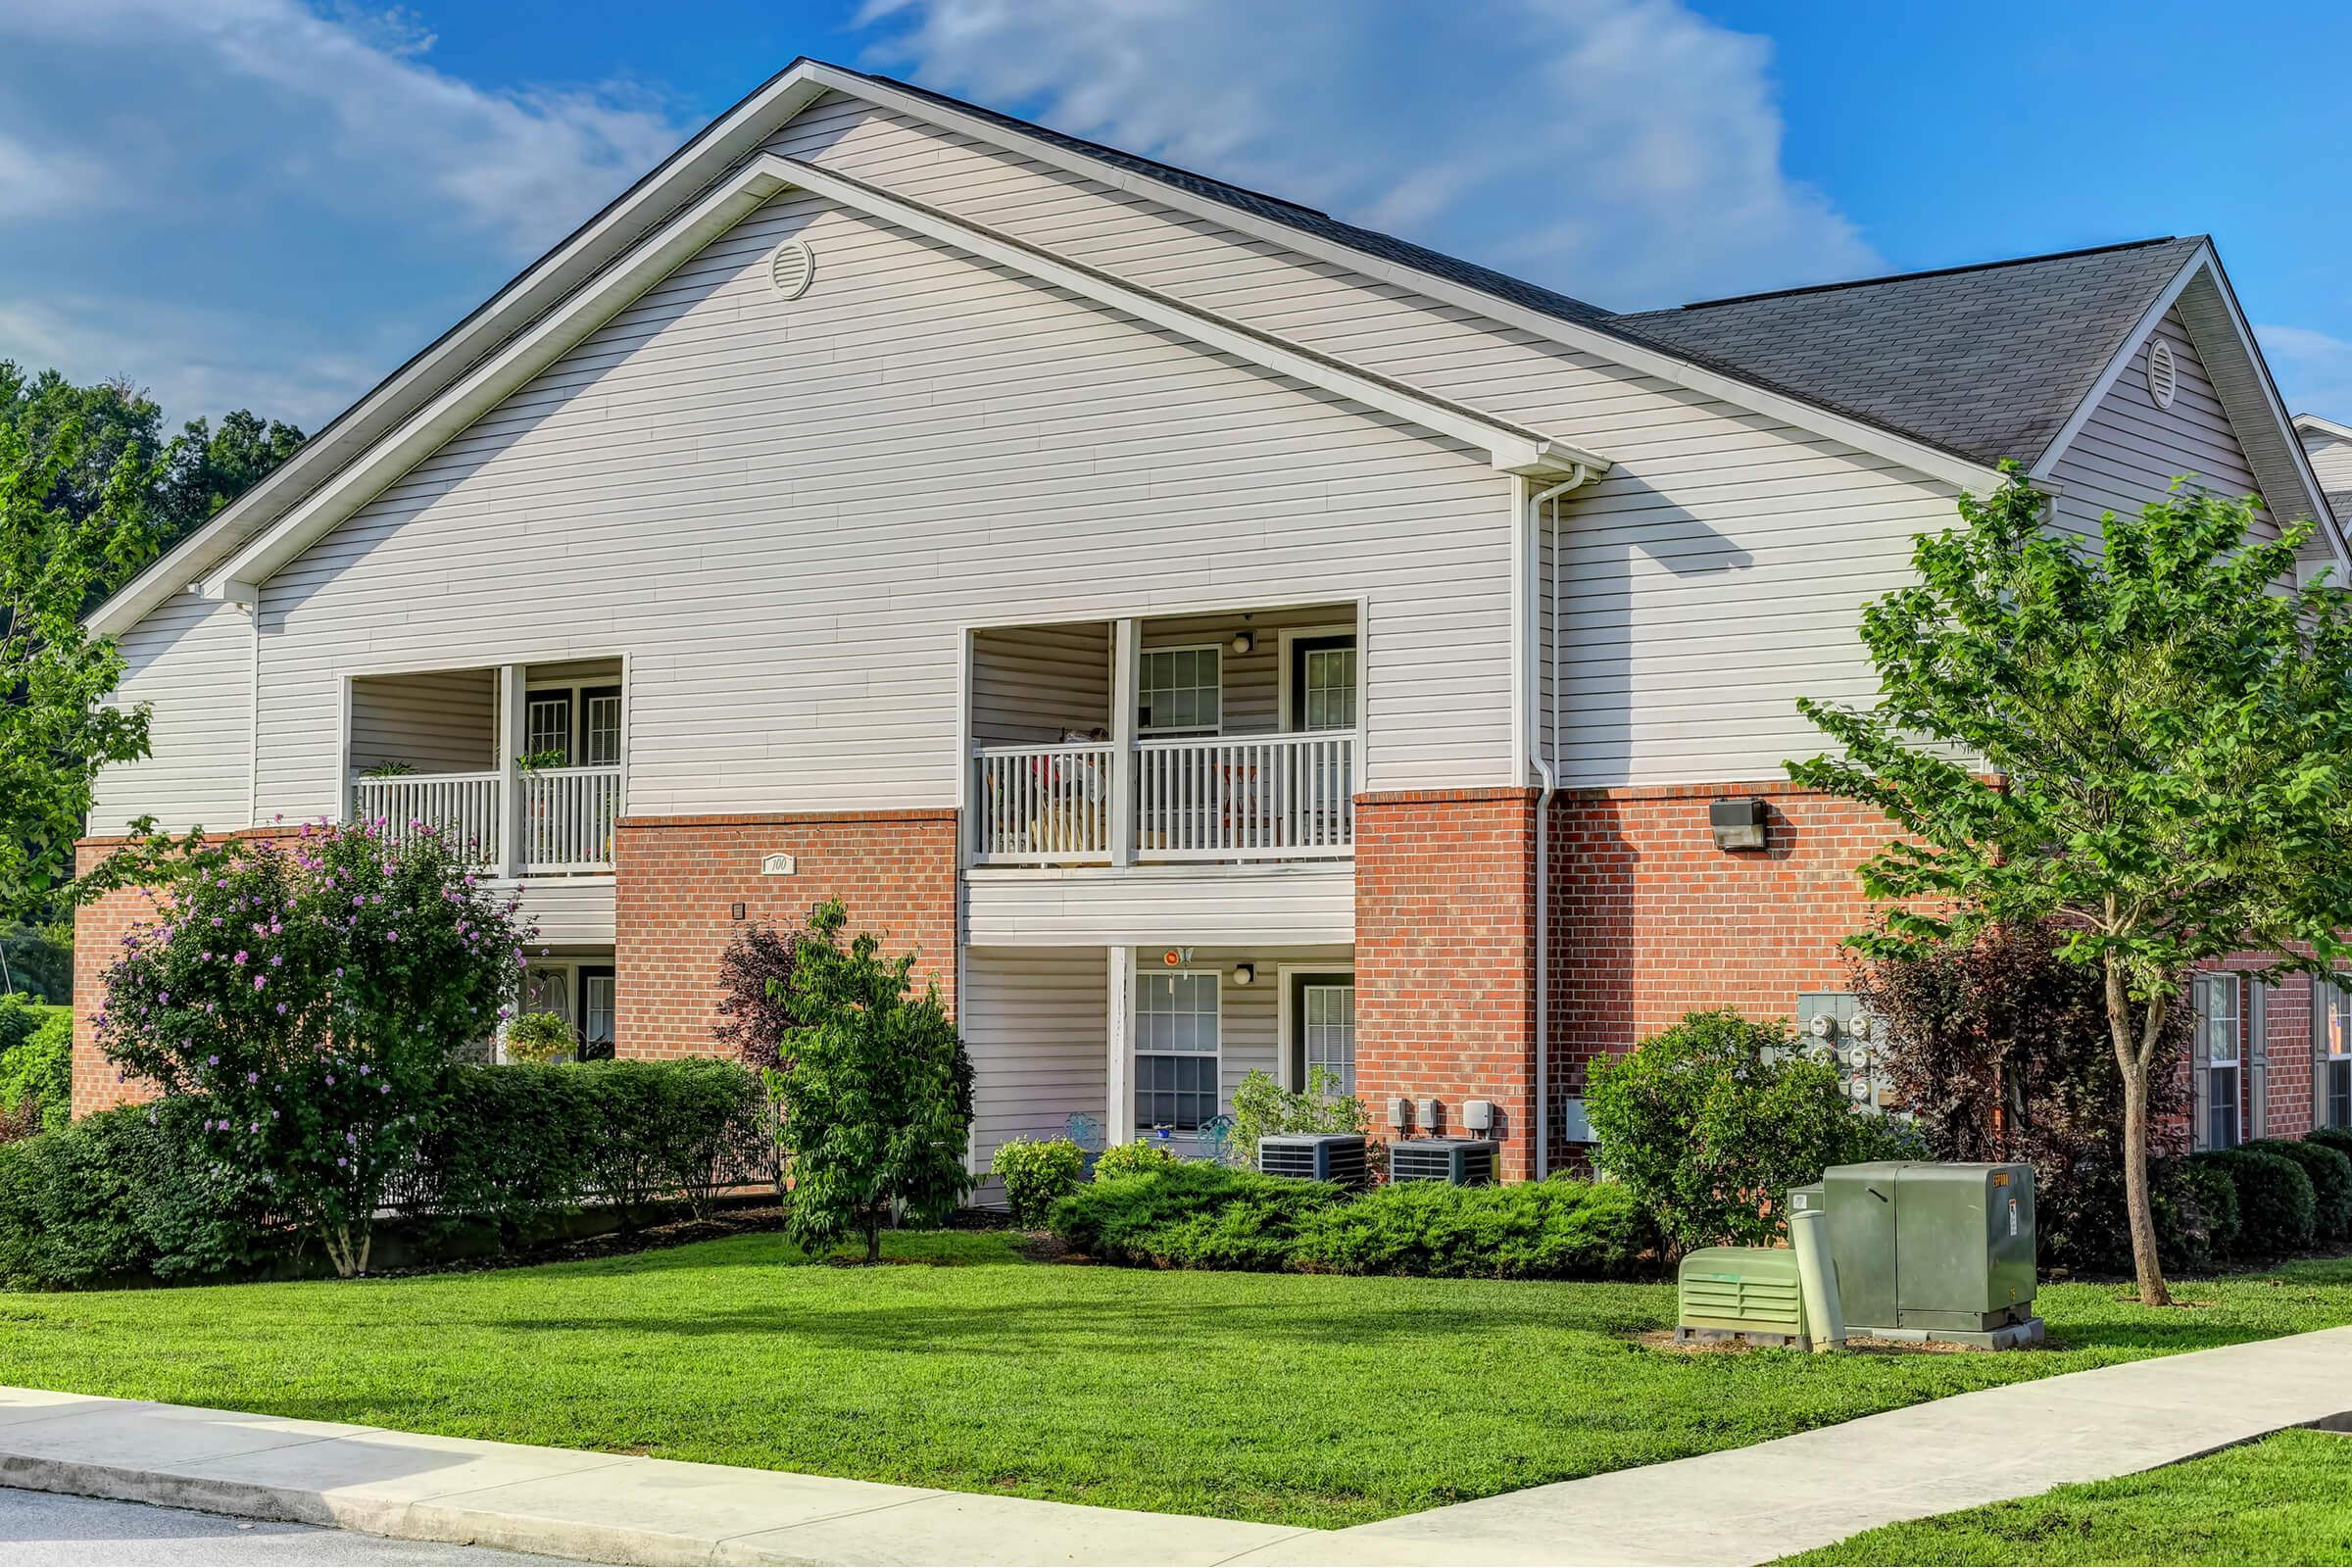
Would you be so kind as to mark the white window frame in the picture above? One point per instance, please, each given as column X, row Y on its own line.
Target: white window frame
column 1283, row 717
column 570, row 967
column 2338, row 1056
column 1142, row 659
column 1137, row 1051
column 1283, row 1023
column 576, row 692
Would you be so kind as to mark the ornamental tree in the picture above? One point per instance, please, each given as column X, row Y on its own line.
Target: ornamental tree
column 877, row 1098
column 2147, row 745
column 310, row 991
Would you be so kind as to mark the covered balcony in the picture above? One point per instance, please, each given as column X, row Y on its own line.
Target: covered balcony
column 524, row 764
column 1210, row 738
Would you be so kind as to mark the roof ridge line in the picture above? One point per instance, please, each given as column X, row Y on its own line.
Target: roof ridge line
column 1932, row 271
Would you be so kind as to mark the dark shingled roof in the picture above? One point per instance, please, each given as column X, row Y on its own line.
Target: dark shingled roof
column 1986, row 361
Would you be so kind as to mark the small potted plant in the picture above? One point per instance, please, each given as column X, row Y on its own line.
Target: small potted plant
column 542, row 1037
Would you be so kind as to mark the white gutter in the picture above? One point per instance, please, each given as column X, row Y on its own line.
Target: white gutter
column 1549, row 774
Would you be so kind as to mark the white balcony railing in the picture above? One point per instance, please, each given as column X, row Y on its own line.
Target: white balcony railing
column 1263, row 796
column 463, row 808
column 567, row 815
column 1041, row 805
column 567, row 818
column 1241, row 798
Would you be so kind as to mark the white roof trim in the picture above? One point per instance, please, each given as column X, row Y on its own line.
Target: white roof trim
column 2200, row 263
column 2324, row 426
column 1511, row 447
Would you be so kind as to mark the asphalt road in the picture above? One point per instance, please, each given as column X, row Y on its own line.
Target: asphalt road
column 39, row 1528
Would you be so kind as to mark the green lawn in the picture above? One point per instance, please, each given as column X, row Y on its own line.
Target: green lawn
column 1302, row 1400
column 2285, row 1499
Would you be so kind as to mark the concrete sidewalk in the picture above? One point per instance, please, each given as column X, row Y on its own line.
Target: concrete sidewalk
column 1753, row 1505
column 1742, row 1505
column 562, row 1502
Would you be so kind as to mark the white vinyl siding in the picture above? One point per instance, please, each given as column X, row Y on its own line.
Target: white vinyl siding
column 1153, row 905
column 192, row 659
column 785, row 513
column 2130, row 451
column 1035, row 684
column 1712, row 577
column 445, row 721
column 1036, row 1023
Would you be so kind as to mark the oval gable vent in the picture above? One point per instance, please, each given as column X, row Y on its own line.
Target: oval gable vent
column 791, row 267
column 2164, row 379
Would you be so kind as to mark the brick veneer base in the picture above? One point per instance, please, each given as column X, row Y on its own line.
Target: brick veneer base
column 676, row 880
column 1445, row 945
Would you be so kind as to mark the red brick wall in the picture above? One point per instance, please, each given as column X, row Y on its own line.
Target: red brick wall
column 677, row 878
column 98, row 930
column 1445, row 947
column 1651, row 919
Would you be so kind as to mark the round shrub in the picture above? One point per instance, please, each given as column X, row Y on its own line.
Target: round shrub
column 2339, row 1139
column 1131, row 1159
column 1712, row 1122
column 1037, row 1175
column 1552, row 1229
column 2213, row 1196
column 2330, row 1173
column 1191, row 1214
column 2276, row 1206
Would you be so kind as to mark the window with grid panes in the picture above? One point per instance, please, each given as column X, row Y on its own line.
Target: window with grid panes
column 1176, row 1050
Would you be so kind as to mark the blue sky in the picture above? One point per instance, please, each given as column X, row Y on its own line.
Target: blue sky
column 272, row 203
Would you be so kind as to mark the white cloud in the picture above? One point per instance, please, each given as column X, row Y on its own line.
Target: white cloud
column 252, row 202
column 1625, row 151
column 2314, row 369
column 344, row 108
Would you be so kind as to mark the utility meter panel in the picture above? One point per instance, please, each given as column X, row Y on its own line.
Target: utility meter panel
column 1833, row 1027
column 1931, row 1246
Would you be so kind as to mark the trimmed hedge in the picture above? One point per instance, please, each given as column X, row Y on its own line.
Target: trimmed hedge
column 2215, row 1196
column 1550, row 1230
column 2277, row 1209
column 125, row 1194
column 2330, row 1173
column 2339, row 1139
column 1194, row 1214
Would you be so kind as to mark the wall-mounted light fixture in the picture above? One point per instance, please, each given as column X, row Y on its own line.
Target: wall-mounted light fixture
column 735, row 912
column 1243, row 642
column 1736, row 824
column 1243, row 973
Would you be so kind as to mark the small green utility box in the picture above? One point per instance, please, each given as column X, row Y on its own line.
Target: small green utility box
column 1747, row 1293
column 1932, row 1251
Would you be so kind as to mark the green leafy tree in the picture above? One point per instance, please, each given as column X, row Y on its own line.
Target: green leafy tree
column 2147, row 745
column 312, row 994
column 1710, row 1122
column 877, row 1098
column 207, row 468
column 66, row 532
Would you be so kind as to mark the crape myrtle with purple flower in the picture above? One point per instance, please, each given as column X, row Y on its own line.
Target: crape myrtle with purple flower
column 312, row 991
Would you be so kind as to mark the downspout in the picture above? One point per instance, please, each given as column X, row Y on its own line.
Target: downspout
column 1549, row 774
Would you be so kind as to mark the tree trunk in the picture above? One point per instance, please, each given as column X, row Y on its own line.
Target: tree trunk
column 873, row 1238
column 2132, row 1062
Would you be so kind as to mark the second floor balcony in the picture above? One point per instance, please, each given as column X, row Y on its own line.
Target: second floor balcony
column 523, row 765
column 1235, row 739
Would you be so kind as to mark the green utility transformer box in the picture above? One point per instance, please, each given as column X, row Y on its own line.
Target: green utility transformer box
column 1932, row 1251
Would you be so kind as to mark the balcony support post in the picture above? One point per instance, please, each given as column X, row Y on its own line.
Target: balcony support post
column 1118, row 1121
column 512, row 687
column 1126, row 639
